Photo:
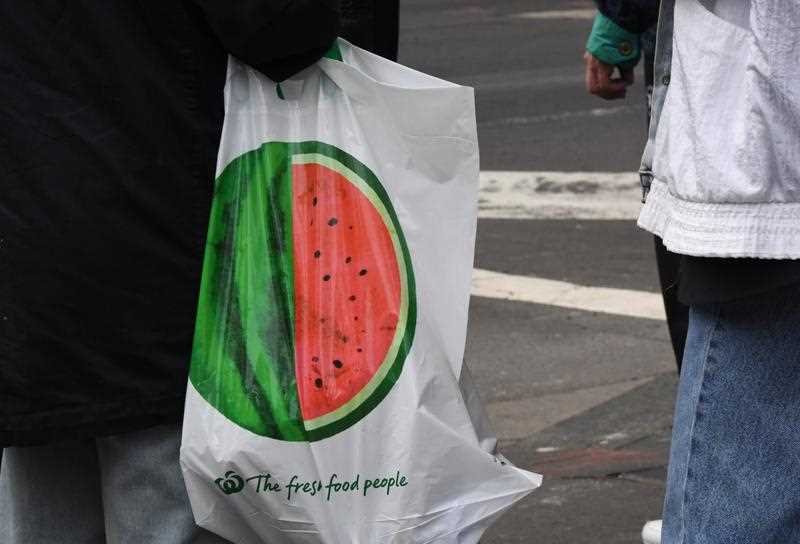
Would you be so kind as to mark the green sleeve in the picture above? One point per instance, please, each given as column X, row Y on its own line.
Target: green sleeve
column 612, row 44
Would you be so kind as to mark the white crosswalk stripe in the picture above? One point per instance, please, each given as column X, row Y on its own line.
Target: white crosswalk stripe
column 582, row 14
column 559, row 195
column 606, row 300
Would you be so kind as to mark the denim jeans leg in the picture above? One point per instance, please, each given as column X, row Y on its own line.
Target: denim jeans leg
column 735, row 459
column 702, row 322
column 144, row 497
column 51, row 494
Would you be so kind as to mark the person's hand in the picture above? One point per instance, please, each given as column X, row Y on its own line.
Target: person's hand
column 600, row 81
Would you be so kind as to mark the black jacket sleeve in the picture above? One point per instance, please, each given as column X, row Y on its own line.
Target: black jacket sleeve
column 372, row 24
column 277, row 37
column 633, row 15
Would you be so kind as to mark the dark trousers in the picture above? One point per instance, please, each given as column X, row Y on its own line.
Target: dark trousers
column 677, row 313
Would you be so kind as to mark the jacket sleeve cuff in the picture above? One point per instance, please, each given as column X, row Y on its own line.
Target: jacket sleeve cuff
column 612, row 44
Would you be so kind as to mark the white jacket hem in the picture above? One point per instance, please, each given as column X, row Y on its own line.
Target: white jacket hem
column 769, row 230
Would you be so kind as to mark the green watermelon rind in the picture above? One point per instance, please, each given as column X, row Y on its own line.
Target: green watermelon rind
column 231, row 332
column 384, row 380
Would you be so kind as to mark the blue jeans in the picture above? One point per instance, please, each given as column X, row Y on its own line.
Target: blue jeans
column 734, row 469
column 123, row 489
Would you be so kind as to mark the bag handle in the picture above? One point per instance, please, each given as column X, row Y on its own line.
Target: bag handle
column 333, row 53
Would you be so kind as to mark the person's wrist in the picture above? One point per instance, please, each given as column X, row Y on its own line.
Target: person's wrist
column 613, row 45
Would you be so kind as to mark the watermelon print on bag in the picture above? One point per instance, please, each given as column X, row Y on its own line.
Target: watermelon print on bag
column 307, row 308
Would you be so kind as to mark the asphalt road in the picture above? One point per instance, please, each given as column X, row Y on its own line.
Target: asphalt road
column 582, row 397
column 533, row 112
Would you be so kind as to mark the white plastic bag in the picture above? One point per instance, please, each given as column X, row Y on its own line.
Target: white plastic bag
column 326, row 402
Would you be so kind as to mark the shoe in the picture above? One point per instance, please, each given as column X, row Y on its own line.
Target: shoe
column 651, row 533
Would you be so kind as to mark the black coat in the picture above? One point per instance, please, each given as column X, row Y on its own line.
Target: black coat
column 110, row 117
column 373, row 25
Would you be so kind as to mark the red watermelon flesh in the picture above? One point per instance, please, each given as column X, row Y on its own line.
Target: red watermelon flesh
column 347, row 288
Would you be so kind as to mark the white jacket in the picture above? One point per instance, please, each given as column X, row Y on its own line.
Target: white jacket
column 724, row 152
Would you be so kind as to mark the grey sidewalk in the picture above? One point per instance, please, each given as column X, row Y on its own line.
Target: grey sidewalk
column 604, row 480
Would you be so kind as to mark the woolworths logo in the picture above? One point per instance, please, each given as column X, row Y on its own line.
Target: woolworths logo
column 232, row 483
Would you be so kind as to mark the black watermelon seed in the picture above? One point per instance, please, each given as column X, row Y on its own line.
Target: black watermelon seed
column 318, row 383
column 333, row 221
column 348, row 260
column 337, row 363
column 352, row 297
column 326, row 277
column 363, row 272
column 359, row 350
column 317, row 253
column 350, row 227
column 356, row 318
column 315, row 359
column 314, row 202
